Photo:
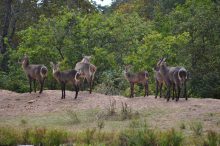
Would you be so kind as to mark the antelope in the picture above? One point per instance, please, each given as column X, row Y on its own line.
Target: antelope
column 179, row 77
column 86, row 59
column 134, row 78
column 34, row 72
column 159, row 81
column 87, row 70
column 173, row 77
column 64, row 77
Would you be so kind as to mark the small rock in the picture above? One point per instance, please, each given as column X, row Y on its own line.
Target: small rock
column 31, row 101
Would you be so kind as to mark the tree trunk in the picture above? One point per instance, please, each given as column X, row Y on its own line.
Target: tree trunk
column 6, row 21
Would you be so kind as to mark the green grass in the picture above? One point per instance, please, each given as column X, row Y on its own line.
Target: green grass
column 97, row 127
column 140, row 134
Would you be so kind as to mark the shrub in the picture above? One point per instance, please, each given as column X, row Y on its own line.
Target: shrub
column 171, row 138
column 89, row 135
column 100, row 124
column 213, row 139
column 197, row 128
column 111, row 109
column 182, row 126
column 37, row 136
column 126, row 112
column 72, row 115
column 55, row 137
column 10, row 136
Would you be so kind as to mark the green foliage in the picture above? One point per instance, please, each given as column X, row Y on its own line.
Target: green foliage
column 112, row 82
column 138, row 134
column 73, row 117
column 9, row 136
column 172, row 138
column 55, row 137
column 197, row 128
column 213, row 139
column 111, row 109
column 182, row 126
column 126, row 111
column 37, row 136
column 130, row 32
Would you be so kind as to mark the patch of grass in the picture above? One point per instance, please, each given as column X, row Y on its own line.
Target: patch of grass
column 213, row 139
column 55, row 137
column 197, row 128
column 10, row 136
column 73, row 117
column 23, row 122
column 36, row 136
column 182, row 126
column 138, row 134
column 111, row 109
column 126, row 111
column 100, row 124
column 171, row 138
column 138, row 124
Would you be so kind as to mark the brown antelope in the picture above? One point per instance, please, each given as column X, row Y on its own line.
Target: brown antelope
column 134, row 78
column 86, row 59
column 63, row 77
column 179, row 77
column 173, row 77
column 34, row 72
column 87, row 70
column 159, row 81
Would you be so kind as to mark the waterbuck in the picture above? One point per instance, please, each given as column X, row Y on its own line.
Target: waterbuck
column 63, row 77
column 87, row 70
column 34, row 72
column 134, row 78
column 173, row 77
column 179, row 77
column 159, row 81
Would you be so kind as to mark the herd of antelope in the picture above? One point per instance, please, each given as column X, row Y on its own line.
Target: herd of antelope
column 173, row 77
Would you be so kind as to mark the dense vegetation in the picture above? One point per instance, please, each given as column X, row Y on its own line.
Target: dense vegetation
column 136, row 32
column 132, row 136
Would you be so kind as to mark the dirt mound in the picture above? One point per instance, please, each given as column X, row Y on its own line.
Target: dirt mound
column 14, row 104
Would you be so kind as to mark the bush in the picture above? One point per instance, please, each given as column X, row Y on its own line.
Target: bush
column 197, row 128
column 213, row 139
column 171, row 138
column 112, row 82
column 73, row 117
column 10, row 136
column 55, row 137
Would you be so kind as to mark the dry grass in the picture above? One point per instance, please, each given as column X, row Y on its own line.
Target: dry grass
column 50, row 111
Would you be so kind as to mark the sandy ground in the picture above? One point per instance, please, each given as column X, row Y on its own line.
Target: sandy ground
column 206, row 110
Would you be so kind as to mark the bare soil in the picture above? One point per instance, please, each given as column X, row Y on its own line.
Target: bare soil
column 164, row 114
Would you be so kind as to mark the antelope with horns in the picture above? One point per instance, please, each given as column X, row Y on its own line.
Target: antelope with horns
column 87, row 70
column 159, row 81
column 134, row 78
column 34, row 72
column 64, row 77
column 173, row 77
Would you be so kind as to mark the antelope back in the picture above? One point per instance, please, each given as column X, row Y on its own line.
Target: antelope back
column 85, row 68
